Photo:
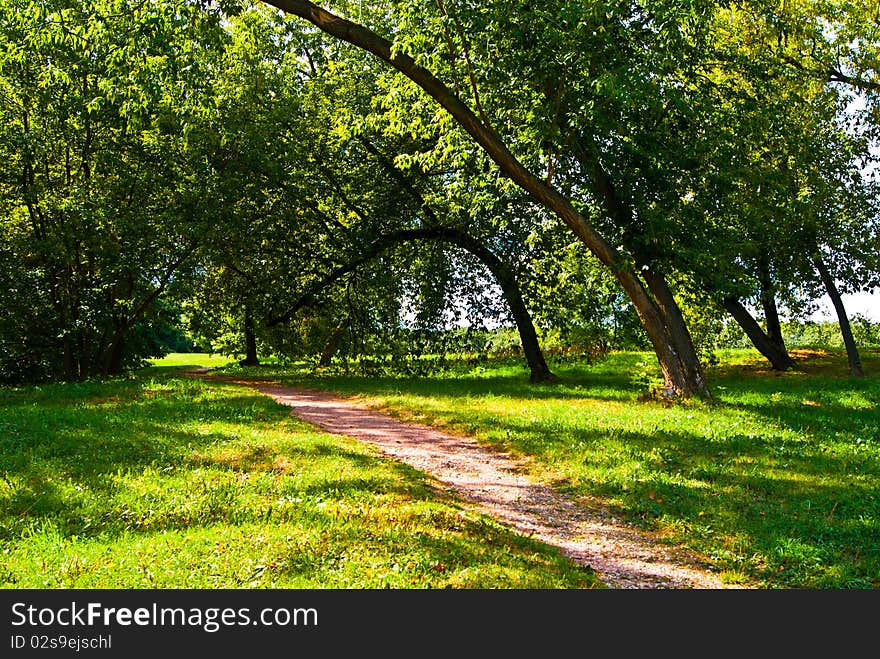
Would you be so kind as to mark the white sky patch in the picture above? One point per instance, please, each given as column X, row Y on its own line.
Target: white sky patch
column 864, row 304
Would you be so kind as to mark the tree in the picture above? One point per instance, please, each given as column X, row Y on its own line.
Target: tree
column 835, row 45
column 311, row 203
column 103, row 208
column 660, row 315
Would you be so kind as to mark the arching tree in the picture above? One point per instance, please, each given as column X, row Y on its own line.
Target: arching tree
column 648, row 290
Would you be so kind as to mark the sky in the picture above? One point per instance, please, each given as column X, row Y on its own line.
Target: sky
column 866, row 304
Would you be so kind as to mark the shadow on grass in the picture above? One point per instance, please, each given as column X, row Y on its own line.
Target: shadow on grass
column 103, row 459
column 791, row 516
column 792, row 500
column 443, row 548
column 793, row 503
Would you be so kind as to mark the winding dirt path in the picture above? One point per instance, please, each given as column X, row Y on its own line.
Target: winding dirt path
column 495, row 484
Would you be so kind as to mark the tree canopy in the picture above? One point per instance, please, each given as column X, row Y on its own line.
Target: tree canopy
column 305, row 177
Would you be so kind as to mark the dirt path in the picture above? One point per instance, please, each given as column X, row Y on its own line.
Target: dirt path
column 623, row 557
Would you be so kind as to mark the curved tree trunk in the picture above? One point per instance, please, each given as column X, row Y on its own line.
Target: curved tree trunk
column 852, row 352
column 673, row 343
column 506, row 279
column 778, row 356
column 502, row 272
column 676, row 370
column 539, row 371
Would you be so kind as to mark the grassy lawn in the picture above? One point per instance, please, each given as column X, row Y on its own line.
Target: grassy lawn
column 155, row 481
column 777, row 480
column 181, row 360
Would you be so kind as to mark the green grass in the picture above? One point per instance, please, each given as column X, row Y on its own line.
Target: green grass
column 179, row 360
column 776, row 481
column 161, row 482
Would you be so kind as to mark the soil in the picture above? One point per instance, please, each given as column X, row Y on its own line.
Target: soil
column 495, row 483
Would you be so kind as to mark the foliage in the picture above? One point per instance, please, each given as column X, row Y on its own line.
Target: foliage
column 245, row 164
column 102, row 207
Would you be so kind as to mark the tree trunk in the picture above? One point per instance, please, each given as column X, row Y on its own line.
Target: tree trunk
column 852, row 353
column 506, row 279
column 116, row 353
column 771, row 311
column 676, row 327
column 332, row 345
column 675, row 374
column 109, row 360
column 70, row 370
column 503, row 274
column 539, row 371
column 778, row 356
column 678, row 376
column 250, row 338
column 676, row 353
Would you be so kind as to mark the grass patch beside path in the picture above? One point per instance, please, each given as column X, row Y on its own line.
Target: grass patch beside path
column 777, row 480
column 162, row 482
column 183, row 360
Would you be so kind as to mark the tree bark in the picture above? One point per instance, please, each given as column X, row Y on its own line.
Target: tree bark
column 778, row 356
column 332, row 345
column 771, row 311
column 502, row 272
column 109, row 355
column 852, row 352
column 675, row 372
column 674, row 339
column 70, row 369
column 250, row 337
column 506, row 279
column 114, row 356
column 675, row 326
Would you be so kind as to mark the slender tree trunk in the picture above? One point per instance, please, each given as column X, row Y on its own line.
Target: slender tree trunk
column 778, row 356
column 331, row 346
column 852, row 352
column 97, row 358
column 70, row 370
column 677, row 374
column 250, row 337
column 539, row 371
column 771, row 318
column 504, row 275
column 771, row 311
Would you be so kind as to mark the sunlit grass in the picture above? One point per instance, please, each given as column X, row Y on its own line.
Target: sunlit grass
column 161, row 482
column 775, row 480
column 191, row 360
